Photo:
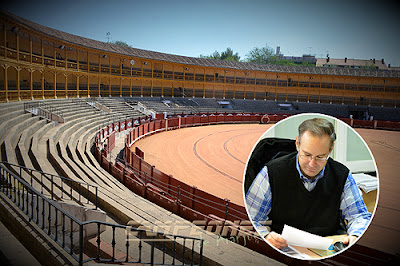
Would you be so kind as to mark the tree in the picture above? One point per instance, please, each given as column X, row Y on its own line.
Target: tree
column 227, row 55
column 121, row 43
column 214, row 55
column 263, row 55
column 267, row 55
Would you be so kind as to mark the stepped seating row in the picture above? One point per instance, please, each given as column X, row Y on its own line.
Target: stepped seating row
column 207, row 102
column 159, row 107
column 65, row 149
column 384, row 113
column 336, row 110
column 186, row 105
column 178, row 107
column 27, row 140
column 119, row 106
column 185, row 102
column 17, row 143
column 256, row 106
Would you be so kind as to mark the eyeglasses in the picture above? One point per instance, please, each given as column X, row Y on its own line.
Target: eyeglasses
column 318, row 159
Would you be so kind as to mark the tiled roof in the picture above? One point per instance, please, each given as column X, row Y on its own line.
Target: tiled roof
column 351, row 62
column 152, row 55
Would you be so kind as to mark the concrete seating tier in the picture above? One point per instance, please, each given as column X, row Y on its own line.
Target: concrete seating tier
column 25, row 143
column 384, row 113
column 13, row 138
column 119, row 106
column 194, row 105
column 65, row 149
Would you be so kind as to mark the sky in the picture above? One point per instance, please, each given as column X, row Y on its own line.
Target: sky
column 356, row 29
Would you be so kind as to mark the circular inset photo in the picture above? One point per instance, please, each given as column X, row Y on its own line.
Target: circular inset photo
column 311, row 186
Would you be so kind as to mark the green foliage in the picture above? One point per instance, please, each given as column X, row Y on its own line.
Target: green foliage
column 214, row 55
column 227, row 55
column 121, row 43
column 286, row 62
column 263, row 55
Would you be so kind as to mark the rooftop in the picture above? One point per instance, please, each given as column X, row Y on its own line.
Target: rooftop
column 152, row 55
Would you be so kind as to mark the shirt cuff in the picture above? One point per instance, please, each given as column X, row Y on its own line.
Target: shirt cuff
column 262, row 230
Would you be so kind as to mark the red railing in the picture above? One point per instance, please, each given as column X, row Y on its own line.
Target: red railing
column 202, row 208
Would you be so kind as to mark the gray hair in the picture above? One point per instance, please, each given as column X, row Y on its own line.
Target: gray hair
column 318, row 127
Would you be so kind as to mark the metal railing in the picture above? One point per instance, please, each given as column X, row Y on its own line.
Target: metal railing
column 70, row 233
column 160, row 248
column 56, row 187
column 44, row 110
column 221, row 209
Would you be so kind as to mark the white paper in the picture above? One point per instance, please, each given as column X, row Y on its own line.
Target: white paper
column 366, row 182
column 296, row 237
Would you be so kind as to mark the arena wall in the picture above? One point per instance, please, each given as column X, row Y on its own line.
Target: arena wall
column 220, row 216
column 45, row 65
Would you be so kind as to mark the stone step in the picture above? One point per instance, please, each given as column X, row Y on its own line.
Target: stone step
column 13, row 137
column 12, row 251
column 24, row 145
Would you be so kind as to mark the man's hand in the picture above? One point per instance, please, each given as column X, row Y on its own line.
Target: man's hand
column 276, row 240
column 349, row 240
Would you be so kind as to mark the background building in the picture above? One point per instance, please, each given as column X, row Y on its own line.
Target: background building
column 352, row 63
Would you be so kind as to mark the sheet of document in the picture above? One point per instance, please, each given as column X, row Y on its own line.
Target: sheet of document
column 366, row 182
column 297, row 237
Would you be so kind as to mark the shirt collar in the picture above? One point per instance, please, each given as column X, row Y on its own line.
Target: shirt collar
column 305, row 179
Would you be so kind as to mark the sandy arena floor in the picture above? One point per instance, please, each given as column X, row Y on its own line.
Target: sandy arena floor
column 213, row 158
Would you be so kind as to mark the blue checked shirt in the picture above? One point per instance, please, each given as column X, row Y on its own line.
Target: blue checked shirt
column 259, row 201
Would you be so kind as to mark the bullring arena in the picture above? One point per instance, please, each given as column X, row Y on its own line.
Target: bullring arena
column 211, row 158
column 114, row 154
column 228, row 147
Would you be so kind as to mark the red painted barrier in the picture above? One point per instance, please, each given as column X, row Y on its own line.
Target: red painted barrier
column 196, row 119
column 204, row 119
column 157, row 125
column 220, row 118
column 346, row 120
column 189, row 120
column 388, row 125
column 237, row 118
column 161, row 200
column 140, row 130
column 135, row 162
column 363, row 123
column 151, row 127
column 104, row 163
column 190, row 214
column 173, row 122
column 145, row 128
column 117, row 173
column 135, row 185
column 187, row 201
column 111, row 141
column 162, row 180
column 229, row 118
column 110, row 128
column 255, row 118
column 122, row 125
column 129, row 123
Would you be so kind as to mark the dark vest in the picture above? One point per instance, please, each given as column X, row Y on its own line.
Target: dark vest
column 317, row 211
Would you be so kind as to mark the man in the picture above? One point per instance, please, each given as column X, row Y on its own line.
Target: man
column 307, row 190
